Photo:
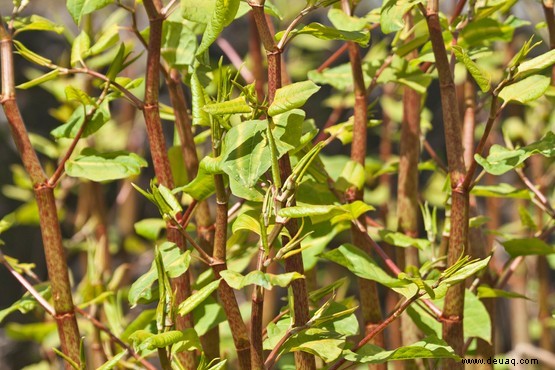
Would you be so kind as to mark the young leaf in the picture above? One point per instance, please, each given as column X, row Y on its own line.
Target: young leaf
column 501, row 159
column 198, row 297
column 95, row 166
column 36, row 23
column 481, row 77
column 467, row 270
column 292, row 96
column 535, row 65
column 245, row 155
column 39, row 80
column 113, row 362
column 31, row 55
column 234, row 106
column 80, row 48
column 224, row 12
column 175, row 262
column 172, row 337
column 257, row 277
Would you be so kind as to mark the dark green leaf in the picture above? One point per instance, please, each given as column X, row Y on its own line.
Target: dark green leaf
column 527, row 247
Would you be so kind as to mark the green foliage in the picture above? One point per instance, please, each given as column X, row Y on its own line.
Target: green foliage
column 264, row 160
column 95, row 166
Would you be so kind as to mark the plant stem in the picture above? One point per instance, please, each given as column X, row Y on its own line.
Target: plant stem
column 303, row 360
column 408, row 211
column 369, row 299
column 238, row 328
column 458, row 239
column 181, row 285
column 210, row 341
column 48, row 214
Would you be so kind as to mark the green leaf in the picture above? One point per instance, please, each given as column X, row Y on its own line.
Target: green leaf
column 36, row 332
column 526, row 90
column 172, row 337
column 78, row 8
column 466, row 271
column 392, row 13
column 361, row 264
column 320, row 342
column 322, row 32
column 80, row 48
column 484, row 32
column 246, row 221
column 429, row 347
column 36, row 23
column 482, row 78
column 179, row 44
column 292, row 96
column 150, row 228
column 245, row 155
column 502, row 190
column 106, row 40
column 319, row 213
column 527, row 247
column 175, row 263
column 70, row 129
column 113, row 362
column 476, row 319
column 535, row 65
column 26, row 303
column 39, row 80
column 202, row 186
column 31, row 55
column 198, row 101
column 257, row 277
column 142, row 321
column 404, row 241
column 95, row 166
column 234, row 106
column 198, row 297
column 342, row 21
column 487, row 292
column 224, row 13
column 353, row 175
column 501, row 159
column 340, row 77
column 208, row 315
column 75, row 94
column 198, row 11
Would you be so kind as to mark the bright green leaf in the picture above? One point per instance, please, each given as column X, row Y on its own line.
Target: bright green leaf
column 481, row 77
column 487, row 292
column 80, row 48
column 197, row 298
column 95, row 166
column 404, row 241
column 257, row 277
column 224, row 12
column 292, row 96
column 526, row 90
column 78, row 8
